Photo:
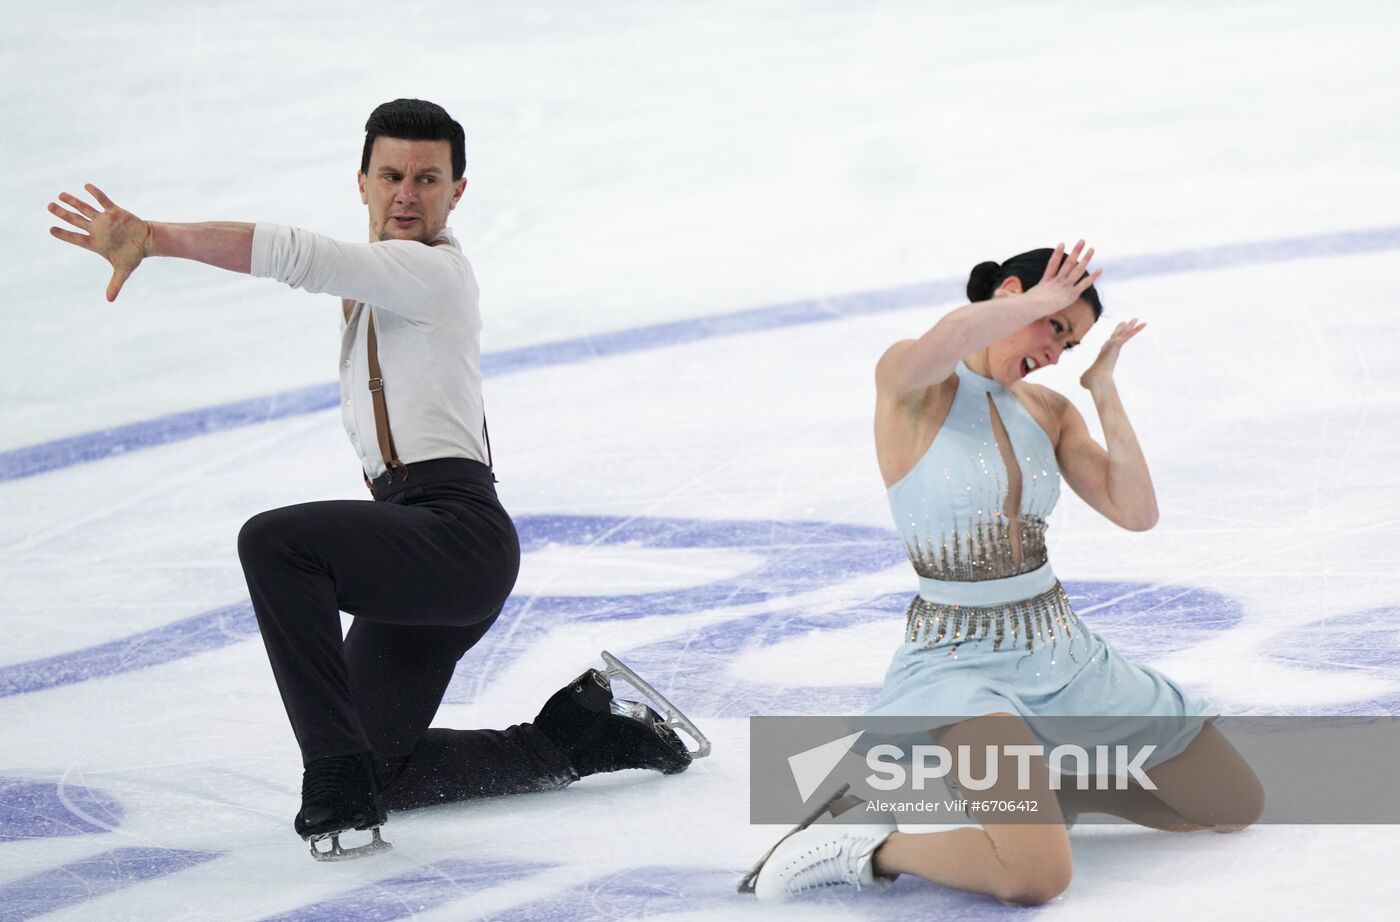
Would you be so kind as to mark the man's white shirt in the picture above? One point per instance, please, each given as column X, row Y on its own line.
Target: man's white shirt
column 427, row 321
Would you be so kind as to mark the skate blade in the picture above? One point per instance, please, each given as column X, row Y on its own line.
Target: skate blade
column 336, row 853
column 746, row 883
column 675, row 720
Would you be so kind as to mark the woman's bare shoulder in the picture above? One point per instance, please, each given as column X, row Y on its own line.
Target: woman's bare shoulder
column 1042, row 395
column 1046, row 406
column 904, row 430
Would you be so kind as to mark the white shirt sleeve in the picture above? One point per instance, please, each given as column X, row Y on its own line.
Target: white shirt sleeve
column 404, row 277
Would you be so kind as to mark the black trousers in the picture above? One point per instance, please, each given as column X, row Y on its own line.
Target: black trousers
column 424, row 569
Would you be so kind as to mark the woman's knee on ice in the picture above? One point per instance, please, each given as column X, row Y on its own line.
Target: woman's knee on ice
column 1035, row 883
column 1247, row 807
column 1036, row 862
column 1244, row 807
column 1236, row 804
column 1211, row 784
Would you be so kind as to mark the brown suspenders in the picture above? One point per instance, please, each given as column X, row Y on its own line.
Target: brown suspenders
column 376, row 390
column 387, row 451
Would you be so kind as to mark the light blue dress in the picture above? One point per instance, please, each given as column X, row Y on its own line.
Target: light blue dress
column 991, row 629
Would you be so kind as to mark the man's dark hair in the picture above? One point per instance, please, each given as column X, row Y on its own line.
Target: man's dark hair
column 416, row 120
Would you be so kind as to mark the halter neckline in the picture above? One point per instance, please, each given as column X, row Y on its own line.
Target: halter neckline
column 969, row 378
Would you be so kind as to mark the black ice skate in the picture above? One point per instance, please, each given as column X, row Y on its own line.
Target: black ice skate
column 340, row 794
column 600, row 733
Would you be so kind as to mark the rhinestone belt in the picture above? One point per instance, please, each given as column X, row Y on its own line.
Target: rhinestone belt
column 1043, row 618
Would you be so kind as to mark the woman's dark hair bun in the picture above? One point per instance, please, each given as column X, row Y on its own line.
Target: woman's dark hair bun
column 982, row 281
column 1029, row 267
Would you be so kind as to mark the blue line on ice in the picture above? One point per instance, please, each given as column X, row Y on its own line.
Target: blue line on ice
column 796, row 557
column 94, row 446
column 405, row 896
column 56, row 887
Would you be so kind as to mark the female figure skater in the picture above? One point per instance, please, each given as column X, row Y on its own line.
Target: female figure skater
column 972, row 455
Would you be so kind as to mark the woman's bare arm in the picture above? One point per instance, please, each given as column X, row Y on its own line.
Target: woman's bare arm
column 910, row 366
column 1116, row 481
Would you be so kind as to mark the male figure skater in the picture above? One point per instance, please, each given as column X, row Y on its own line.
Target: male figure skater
column 424, row 569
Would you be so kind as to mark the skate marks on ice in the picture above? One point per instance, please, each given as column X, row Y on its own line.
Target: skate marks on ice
column 32, row 810
column 787, row 561
column 177, row 640
column 634, row 893
column 42, row 810
column 648, row 892
column 1358, row 643
column 694, row 664
column 795, row 559
column 87, row 447
column 797, row 556
column 403, row 896
column 70, row 884
column 1145, row 621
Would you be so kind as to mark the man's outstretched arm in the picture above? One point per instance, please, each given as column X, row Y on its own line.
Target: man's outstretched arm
column 402, row 276
column 124, row 240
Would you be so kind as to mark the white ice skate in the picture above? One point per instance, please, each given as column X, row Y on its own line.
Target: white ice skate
column 815, row 855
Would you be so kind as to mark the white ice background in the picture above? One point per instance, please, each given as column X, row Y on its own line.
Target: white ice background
column 634, row 163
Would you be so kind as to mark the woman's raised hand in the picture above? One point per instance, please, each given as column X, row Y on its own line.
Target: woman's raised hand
column 113, row 233
column 1067, row 277
column 1102, row 369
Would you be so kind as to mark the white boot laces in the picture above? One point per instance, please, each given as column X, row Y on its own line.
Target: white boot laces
column 833, row 862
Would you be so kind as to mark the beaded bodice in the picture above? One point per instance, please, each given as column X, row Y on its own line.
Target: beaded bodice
column 951, row 507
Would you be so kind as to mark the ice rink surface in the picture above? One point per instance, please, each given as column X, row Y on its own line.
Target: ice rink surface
column 696, row 227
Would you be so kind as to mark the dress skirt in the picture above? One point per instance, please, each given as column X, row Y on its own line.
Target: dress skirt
column 967, row 655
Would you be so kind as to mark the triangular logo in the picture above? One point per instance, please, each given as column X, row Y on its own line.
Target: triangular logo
column 810, row 768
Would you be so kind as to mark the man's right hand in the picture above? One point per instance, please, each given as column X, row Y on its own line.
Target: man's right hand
column 113, row 233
